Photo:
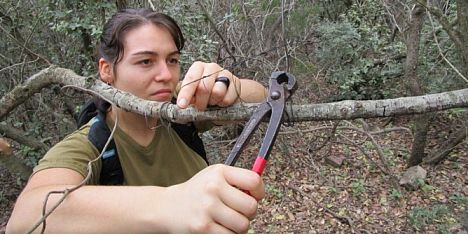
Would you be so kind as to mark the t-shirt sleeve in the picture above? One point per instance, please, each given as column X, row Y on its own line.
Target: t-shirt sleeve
column 74, row 152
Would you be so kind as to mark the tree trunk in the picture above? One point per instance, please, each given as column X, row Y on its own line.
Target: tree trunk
column 413, row 84
column 454, row 139
column 462, row 14
column 459, row 136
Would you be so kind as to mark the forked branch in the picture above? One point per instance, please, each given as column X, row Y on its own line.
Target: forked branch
column 239, row 112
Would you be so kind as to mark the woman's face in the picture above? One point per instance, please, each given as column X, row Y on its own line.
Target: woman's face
column 149, row 67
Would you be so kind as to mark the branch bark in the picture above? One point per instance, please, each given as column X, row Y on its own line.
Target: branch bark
column 22, row 138
column 443, row 20
column 240, row 112
column 15, row 166
column 444, row 151
column 414, row 85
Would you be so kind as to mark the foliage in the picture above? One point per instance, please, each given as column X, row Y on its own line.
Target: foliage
column 395, row 195
column 358, row 187
column 419, row 217
column 357, row 51
column 194, row 24
column 459, row 198
column 435, row 74
column 277, row 192
column 352, row 44
column 424, row 186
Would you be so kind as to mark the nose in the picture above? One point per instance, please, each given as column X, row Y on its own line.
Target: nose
column 164, row 73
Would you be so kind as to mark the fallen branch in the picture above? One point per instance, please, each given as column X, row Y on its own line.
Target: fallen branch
column 22, row 138
column 239, row 112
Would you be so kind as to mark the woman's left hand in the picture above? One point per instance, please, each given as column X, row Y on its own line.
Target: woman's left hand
column 201, row 89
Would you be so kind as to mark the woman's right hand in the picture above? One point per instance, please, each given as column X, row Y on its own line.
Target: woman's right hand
column 213, row 201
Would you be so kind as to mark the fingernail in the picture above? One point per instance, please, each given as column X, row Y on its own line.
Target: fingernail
column 182, row 102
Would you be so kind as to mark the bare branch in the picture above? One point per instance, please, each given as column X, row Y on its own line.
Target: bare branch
column 441, row 53
column 239, row 112
column 22, row 138
column 453, row 34
column 213, row 25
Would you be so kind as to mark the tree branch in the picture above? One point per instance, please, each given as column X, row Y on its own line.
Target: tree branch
column 239, row 112
column 453, row 34
column 213, row 25
column 22, row 138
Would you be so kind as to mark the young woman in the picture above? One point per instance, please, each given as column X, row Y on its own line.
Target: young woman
column 167, row 187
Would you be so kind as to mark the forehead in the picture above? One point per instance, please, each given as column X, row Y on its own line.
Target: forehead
column 149, row 37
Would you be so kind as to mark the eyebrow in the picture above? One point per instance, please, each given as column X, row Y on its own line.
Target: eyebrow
column 149, row 52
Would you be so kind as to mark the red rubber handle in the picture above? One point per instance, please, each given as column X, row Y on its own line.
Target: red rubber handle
column 259, row 165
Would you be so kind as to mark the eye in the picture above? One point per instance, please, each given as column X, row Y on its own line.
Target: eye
column 145, row 62
column 173, row 61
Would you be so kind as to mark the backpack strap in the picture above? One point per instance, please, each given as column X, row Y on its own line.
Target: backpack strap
column 111, row 170
column 189, row 135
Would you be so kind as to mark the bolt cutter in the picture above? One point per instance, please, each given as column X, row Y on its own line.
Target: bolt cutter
column 281, row 87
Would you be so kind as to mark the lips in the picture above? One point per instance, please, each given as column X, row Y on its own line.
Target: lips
column 162, row 95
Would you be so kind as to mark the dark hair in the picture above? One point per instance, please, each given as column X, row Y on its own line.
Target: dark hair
column 111, row 42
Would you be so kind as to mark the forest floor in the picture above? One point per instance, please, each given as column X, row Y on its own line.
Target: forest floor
column 307, row 195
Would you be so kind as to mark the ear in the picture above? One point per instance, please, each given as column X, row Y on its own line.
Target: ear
column 105, row 71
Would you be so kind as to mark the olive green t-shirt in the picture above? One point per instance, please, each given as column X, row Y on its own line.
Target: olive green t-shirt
column 166, row 161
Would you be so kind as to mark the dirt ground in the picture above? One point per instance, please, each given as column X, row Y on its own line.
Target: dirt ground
column 307, row 195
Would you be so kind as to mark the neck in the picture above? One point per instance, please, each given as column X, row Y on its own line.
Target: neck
column 136, row 126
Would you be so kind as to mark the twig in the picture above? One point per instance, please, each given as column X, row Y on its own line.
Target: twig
column 440, row 50
column 67, row 191
column 24, row 47
column 364, row 152
column 342, row 219
column 213, row 25
column 453, row 34
column 18, row 64
column 283, row 32
column 382, row 158
column 330, row 136
column 151, row 5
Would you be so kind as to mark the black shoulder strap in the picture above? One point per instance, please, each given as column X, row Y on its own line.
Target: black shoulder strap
column 189, row 135
column 111, row 170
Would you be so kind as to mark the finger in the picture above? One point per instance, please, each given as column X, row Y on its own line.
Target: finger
column 217, row 93
column 231, row 219
column 246, row 180
column 203, row 92
column 240, row 201
column 232, row 94
column 212, row 227
column 189, row 84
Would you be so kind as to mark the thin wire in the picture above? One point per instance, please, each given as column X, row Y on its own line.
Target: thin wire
column 153, row 128
column 238, row 92
column 203, row 77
